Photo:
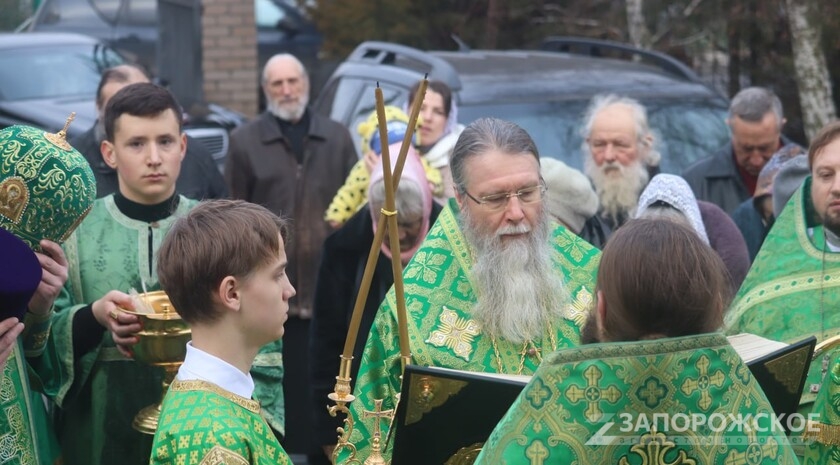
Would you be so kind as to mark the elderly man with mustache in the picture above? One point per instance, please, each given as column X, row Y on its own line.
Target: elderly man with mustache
column 495, row 286
column 620, row 156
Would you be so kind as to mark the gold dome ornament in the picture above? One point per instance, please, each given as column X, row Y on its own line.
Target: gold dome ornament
column 46, row 186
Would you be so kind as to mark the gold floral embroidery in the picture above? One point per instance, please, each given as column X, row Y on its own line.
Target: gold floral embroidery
column 578, row 310
column 454, row 333
column 218, row 455
column 653, row 447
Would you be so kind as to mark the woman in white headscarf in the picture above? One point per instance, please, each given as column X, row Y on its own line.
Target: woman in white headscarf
column 438, row 129
column 670, row 197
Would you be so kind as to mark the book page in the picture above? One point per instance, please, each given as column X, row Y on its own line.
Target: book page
column 751, row 347
column 519, row 378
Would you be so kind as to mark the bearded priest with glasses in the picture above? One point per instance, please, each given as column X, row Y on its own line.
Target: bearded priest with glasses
column 495, row 286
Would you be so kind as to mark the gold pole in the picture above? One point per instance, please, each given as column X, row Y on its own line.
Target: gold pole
column 342, row 394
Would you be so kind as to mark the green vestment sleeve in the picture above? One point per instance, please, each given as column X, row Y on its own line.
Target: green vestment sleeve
column 26, row 436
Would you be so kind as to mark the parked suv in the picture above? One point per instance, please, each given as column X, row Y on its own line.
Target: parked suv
column 545, row 91
column 46, row 76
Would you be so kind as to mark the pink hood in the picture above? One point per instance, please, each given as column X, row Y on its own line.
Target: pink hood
column 412, row 172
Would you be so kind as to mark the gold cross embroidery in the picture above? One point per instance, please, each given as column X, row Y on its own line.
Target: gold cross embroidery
column 755, row 453
column 652, row 392
column 536, row 453
column 703, row 383
column 593, row 394
column 454, row 333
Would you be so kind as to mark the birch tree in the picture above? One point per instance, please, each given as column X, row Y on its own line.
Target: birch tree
column 636, row 28
column 812, row 75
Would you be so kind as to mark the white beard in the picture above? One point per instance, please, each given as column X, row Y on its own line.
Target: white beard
column 518, row 291
column 288, row 111
column 618, row 186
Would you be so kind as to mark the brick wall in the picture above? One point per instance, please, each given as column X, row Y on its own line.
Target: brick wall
column 229, row 40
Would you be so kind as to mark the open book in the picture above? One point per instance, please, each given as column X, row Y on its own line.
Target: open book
column 779, row 368
column 751, row 347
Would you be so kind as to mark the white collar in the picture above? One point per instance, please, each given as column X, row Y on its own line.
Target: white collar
column 199, row 365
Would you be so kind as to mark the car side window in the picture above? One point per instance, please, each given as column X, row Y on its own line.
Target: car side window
column 267, row 14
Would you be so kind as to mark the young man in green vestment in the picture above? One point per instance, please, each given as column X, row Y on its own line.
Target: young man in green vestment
column 30, row 285
column 793, row 288
column 494, row 287
column 660, row 387
column 224, row 268
column 87, row 367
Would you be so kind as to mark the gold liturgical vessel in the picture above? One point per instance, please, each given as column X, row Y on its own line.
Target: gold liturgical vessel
column 163, row 343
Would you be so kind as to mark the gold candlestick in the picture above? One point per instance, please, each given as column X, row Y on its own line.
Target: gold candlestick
column 342, row 393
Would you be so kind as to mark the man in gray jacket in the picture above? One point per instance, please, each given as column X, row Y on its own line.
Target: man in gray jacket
column 292, row 161
column 729, row 177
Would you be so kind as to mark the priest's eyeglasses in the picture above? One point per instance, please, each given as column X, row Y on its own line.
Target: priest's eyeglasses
column 499, row 201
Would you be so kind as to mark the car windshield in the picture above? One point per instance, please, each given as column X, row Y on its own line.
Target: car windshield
column 686, row 131
column 54, row 71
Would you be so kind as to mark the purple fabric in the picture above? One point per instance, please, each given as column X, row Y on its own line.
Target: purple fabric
column 19, row 275
column 726, row 239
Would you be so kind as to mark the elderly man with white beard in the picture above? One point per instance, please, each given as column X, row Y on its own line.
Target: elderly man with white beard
column 495, row 286
column 619, row 155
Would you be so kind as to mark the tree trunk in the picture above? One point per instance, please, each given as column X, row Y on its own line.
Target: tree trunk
column 639, row 34
column 812, row 76
column 491, row 35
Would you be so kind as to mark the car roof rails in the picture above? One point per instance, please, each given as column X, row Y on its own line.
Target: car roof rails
column 387, row 53
column 598, row 47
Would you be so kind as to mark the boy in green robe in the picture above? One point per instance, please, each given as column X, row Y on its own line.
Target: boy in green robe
column 87, row 367
column 224, row 269
column 660, row 387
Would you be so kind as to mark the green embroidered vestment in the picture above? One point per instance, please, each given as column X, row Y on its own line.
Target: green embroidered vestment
column 439, row 298
column 202, row 424
column 665, row 401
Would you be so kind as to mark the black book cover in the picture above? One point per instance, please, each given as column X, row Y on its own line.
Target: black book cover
column 444, row 413
column 781, row 375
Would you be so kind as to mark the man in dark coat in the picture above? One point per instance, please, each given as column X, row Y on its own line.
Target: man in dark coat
column 292, row 161
column 729, row 177
column 199, row 179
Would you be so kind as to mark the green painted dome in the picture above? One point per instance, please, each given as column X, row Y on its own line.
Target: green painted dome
column 46, row 186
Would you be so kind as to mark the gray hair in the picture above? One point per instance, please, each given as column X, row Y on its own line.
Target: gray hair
column 600, row 102
column 752, row 103
column 484, row 135
column 407, row 197
column 284, row 56
column 664, row 211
